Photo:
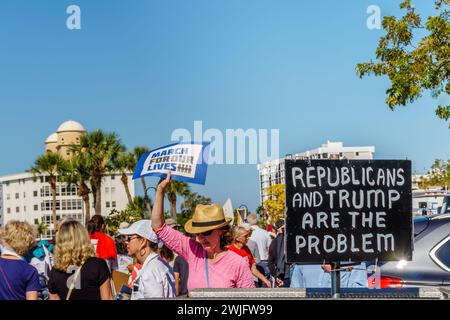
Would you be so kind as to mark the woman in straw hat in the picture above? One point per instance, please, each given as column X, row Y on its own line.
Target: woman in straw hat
column 211, row 265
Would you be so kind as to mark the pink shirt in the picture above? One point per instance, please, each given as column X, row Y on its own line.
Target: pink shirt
column 230, row 271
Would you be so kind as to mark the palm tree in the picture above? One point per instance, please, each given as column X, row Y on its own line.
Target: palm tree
column 124, row 164
column 41, row 229
column 191, row 201
column 100, row 150
column 50, row 165
column 176, row 188
column 78, row 173
column 138, row 153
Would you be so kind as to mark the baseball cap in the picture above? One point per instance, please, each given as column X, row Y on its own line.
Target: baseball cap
column 142, row 228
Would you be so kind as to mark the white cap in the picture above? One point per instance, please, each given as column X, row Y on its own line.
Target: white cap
column 142, row 228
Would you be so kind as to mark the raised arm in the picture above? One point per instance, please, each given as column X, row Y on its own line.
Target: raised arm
column 158, row 203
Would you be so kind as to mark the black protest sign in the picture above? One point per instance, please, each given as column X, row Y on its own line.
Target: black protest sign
column 348, row 210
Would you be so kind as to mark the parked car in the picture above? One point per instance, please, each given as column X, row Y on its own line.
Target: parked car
column 431, row 257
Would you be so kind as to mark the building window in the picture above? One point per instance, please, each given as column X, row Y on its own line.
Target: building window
column 113, row 190
column 357, row 154
column 35, row 193
column 24, row 208
column 17, row 196
column 106, row 190
column 17, row 209
column 24, row 195
column 36, row 221
column 113, row 177
column 108, row 204
column 8, row 210
column 8, row 196
column 113, row 204
column 36, row 207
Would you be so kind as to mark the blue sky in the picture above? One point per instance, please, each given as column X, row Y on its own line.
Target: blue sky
column 143, row 68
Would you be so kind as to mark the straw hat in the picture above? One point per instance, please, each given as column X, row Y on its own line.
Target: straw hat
column 205, row 218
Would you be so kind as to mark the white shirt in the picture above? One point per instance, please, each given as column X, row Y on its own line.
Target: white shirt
column 263, row 240
column 154, row 280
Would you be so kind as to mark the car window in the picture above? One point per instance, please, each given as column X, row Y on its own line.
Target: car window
column 443, row 254
column 445, row 205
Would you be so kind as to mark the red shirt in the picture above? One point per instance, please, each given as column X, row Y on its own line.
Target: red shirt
column 106, row 248
column 244, row 253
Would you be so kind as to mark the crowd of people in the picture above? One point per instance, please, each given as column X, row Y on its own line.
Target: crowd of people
column 158, row 260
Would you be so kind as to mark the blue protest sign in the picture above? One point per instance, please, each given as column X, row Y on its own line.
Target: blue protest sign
column 186, row 161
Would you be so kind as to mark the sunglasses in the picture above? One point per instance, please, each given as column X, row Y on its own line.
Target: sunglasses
column 206, row 233
column 129, row 238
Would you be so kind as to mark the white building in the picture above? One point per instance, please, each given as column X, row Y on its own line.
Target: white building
column 28, row 198
column 272, row 172
column 22, row 197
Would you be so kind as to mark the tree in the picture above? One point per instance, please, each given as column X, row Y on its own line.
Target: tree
column 100, row 150
column 134, row 212
column 138, row 153
column 414, row 65
column 439, row 175
column 41, row 229
column 173, row 189
column 78, row 173
column 50, row 165
column 191, row 201
column 124, row 163
column 275, row 203
column 262, row 213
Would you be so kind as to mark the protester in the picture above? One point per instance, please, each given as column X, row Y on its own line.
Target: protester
column 263, row 240
column 211, row 265
column 239, row 245
column 124, row 261
column 75, row 259
column 179, row 265
column 167, row 255
column 42, row 259
column 104, row 245
column 319, row 276
column 181, row 272
column 279, row 269
column 155, row 278
column 18, row 280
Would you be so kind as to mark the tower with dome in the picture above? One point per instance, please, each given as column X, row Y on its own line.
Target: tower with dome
column 67, row 134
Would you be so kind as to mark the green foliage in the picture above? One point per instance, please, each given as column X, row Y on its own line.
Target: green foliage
column 414, row 65
column 50, row 164
column 439, row 175
column 41, row 228
column 134, row 212
column 188, row 206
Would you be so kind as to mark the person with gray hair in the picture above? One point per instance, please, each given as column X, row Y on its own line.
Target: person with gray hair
column 262, row 239
column 241, row 234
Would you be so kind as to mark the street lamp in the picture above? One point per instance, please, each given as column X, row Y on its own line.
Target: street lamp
column 245, row 212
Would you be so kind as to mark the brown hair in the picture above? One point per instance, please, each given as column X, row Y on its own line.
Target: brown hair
column 95, row 224
column 226, row 238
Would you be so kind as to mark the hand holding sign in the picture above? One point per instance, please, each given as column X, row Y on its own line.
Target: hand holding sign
column 164, row 183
